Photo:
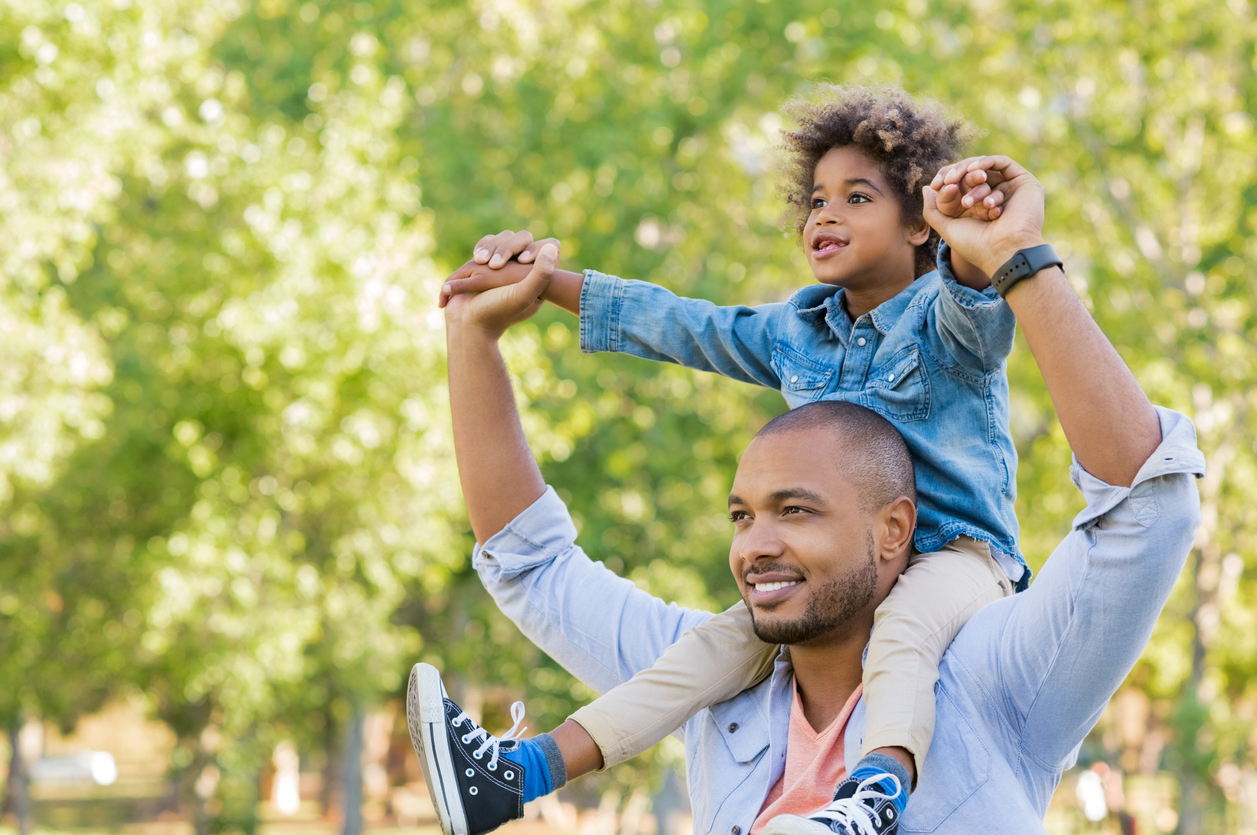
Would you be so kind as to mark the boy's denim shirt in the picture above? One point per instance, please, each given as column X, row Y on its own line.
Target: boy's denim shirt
column 930, row 360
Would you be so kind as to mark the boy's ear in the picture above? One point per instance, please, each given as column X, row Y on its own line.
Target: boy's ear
column 918, row 231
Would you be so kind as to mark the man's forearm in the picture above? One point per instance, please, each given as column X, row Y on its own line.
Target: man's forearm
column 499, row 476
column 1108, row 420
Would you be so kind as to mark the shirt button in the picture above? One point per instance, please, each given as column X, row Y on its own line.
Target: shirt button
column 737, row 830
column 733, row 727
column 795, row 378
column 861, row 341
column 890, row 378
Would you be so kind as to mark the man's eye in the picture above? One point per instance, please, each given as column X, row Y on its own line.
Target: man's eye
column 793, row 510
column 737, row 516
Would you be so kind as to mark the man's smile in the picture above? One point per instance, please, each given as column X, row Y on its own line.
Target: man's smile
column 771, row 586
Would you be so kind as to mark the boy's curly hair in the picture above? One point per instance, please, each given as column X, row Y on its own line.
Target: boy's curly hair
column 909, row 139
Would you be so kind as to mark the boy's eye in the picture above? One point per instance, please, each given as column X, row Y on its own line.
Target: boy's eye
column 818, row 202
column 859, row 198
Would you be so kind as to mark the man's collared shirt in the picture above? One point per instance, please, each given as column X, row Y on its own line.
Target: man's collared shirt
column 1019, row 688
column 930, row 360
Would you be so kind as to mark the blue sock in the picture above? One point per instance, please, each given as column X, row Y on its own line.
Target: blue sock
column 874, row 765
column 544, row 770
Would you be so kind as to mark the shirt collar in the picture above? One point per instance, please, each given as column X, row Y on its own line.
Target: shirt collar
column 816, row 303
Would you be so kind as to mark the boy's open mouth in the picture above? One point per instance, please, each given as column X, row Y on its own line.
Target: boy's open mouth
column 825, row 242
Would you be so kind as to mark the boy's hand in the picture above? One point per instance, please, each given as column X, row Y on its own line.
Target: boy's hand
column 496, row 309
column 476, row 278
column 1017, row 225
column 493, row 253
column 496, row 250
column 968, row 191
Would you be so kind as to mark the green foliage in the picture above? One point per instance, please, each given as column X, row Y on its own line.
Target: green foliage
column 226, row 473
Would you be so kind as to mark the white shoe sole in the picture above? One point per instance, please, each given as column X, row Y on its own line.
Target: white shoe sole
column 425, row 716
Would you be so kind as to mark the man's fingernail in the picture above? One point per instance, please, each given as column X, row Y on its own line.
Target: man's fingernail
column 447, row 289
column 482, row 253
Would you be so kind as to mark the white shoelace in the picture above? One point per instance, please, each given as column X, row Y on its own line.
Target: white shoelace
column 852, row 812
column 489, row 742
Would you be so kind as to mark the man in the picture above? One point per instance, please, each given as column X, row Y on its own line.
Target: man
column 1020, row 686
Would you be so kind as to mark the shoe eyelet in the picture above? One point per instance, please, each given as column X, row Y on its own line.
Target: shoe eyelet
column 477, row 755
column 493, row 766
column 470, row 773
column 510, row 775
column 473, row 791
column 466, row 739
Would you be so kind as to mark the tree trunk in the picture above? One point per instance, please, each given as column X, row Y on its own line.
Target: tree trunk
column 353, row 772
column 19, row 782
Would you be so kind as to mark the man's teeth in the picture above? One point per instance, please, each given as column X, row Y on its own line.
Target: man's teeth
column 774, row 586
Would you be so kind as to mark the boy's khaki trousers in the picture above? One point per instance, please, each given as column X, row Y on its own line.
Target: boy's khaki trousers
column 716, row 660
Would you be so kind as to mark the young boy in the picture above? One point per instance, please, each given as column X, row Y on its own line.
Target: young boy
column 924, row 349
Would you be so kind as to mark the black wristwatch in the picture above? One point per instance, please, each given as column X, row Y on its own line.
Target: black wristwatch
column 1023, row 264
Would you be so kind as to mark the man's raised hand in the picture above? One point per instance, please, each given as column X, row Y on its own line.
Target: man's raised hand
column 496, row 250
column 496, row 263
column 1016, row 216
column 497, row 308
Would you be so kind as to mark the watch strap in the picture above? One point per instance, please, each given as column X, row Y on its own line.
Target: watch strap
column 1023, row 264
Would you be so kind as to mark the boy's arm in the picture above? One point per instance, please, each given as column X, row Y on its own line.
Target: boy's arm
column 1108, row 420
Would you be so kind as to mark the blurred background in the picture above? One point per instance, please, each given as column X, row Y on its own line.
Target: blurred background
column 229, row 516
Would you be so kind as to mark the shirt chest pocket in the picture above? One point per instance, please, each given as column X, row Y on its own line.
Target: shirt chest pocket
column 802, row 380
column 900, row 388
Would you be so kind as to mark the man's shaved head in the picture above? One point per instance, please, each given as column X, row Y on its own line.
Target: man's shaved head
column 872, row 454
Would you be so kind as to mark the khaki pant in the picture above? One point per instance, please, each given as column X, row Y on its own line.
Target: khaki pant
column 715, row 661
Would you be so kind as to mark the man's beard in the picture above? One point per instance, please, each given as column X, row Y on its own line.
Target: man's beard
column 829, row 607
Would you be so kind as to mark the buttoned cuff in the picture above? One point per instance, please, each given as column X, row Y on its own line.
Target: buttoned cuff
column 601, row 300
column 1177, row 454
column 534, row 537
column 965, row 296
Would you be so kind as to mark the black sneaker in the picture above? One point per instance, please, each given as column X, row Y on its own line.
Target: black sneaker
column 472, row 789
column 859, row 808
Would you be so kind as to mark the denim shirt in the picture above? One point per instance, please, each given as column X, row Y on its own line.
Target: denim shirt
column 930, row 360
column 1019, row 689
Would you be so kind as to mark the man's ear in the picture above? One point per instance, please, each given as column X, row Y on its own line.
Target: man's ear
column 898, row 522
column 918, row 231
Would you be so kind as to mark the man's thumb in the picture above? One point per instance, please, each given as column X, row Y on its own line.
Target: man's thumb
column 538, row 277
column 547, row 257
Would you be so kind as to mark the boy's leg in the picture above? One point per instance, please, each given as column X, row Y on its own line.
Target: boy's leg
column 709, row 664
column 479, row 782
column 912, row 628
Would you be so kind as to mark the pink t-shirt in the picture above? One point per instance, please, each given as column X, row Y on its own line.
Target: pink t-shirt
column 815, row 765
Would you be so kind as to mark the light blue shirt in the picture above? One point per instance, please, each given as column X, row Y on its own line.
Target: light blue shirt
column 1019, row 688
column 931, row 360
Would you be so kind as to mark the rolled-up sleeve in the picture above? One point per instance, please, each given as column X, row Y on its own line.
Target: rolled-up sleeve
column 1073, row 636
column 647, row 321
column 974, row 328
column 599, row 626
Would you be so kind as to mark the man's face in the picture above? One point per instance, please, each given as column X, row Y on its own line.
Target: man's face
column 802, row 549
column 855, row 236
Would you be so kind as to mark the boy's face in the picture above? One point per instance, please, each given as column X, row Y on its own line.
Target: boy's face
column 855, row 236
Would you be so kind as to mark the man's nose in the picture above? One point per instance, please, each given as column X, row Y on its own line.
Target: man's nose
column 761, row 541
